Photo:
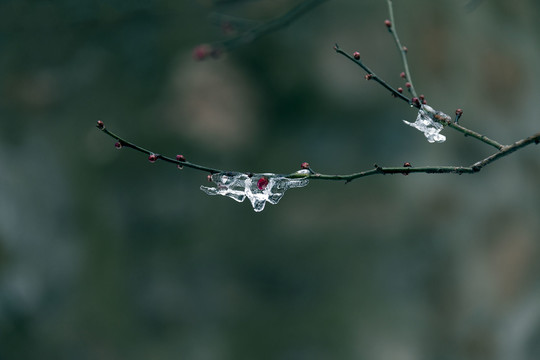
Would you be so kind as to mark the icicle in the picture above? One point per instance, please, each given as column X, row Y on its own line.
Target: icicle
column 258, row 188
column 427, row 125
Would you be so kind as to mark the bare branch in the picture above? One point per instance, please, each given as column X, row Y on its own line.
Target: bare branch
column 259, row 29
column 402, row 50
column 378, row 170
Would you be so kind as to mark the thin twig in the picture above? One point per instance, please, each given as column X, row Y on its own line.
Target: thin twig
column 436, row 116
column 475, row 135
column 378, row 170
column 405, row 170
column 124, row 143
column 508, row 149
column 267, row 27
column 402, row 50
column 374, row 76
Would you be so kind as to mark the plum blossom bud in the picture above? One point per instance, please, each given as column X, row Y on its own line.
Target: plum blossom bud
column 118, row 145
column 262, row 183
column 181, row 158
column 100, row 125
column 459, row 112
column 356, row 55
column 201, row 52
column 152, row 158
column 407, row 164
column 388, row 23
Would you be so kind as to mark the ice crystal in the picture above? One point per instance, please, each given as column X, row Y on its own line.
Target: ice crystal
column 238, row 186
column 427, row 125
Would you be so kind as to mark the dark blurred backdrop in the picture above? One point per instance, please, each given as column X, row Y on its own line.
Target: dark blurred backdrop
column 106, row 256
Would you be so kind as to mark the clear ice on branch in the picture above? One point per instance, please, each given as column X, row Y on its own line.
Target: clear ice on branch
column 427, row 125
column 258, row 188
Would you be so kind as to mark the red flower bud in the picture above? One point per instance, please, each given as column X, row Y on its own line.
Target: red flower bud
column 408, row 85
column 201, row 52
column 305, row 165
column 388, row 23
column 118, row 145
column 356, row 55
column 100, row 125
column 400, row 90
column 368, row 76
column 152, row 158
column 262, row 183
column 459, row 112
column 402, row 75
column 407, row 164
column 181, row 158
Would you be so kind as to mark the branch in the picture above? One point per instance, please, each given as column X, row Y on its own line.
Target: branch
column 406, row 169
column 372, row 76
column 437, row 116
column 257, row 31
column 391, row 25
column 180, row 160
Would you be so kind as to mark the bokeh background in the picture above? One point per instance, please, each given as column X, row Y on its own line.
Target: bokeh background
column 106, row 256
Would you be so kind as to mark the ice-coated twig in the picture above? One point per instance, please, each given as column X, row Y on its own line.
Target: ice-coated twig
column 445, row 121
column 258, row 188
column 425, row 123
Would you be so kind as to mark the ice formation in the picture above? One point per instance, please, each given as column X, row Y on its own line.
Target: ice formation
column 427, row 125
column 258, row 188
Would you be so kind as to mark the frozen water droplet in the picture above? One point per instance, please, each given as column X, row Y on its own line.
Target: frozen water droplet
column 428, row 126
column 238, row 186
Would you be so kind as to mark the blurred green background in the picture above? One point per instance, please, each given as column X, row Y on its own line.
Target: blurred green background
column 106, row 256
